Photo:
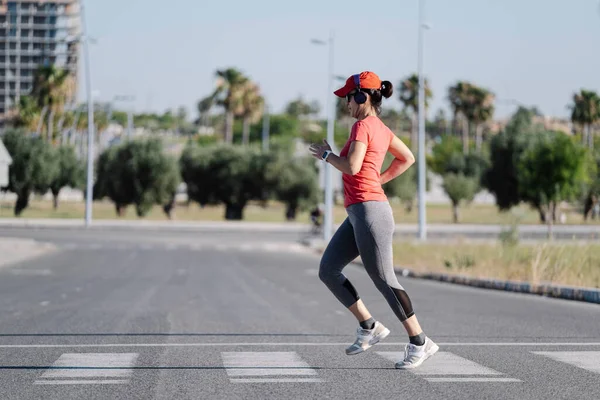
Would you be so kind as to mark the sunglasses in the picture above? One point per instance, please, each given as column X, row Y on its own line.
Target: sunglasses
column 350, row 95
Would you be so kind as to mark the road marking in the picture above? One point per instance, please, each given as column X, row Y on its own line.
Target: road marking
column 83, row 382
column 446, row 363
column 451, row 380
column 276, row 380
column 246, row 247
column 588, row 360
column 31, row 272
column 266, row 344
column 89, row 365
column 263, row 364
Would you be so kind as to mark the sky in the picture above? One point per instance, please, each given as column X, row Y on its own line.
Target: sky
column 165, row 53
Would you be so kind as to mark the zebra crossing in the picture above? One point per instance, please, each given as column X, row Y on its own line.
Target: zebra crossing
column 281, row 367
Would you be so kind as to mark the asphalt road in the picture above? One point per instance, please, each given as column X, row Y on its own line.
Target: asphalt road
column 218, row 315
column 291, row 230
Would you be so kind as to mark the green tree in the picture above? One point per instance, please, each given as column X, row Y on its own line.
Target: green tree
column 33, row 169
column 501, row 179
column 299, row 108
column 70, row 172
column 441, row 153
column 195, row 165
column 295, row 183
column 138, row 173
column 552, row 170
column 461, row 173
column 228, row 174
column 591, row 191
column 585, row 112
column 459, row 187
column 404, row 187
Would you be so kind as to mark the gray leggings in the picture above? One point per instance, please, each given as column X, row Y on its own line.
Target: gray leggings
column 367, row 231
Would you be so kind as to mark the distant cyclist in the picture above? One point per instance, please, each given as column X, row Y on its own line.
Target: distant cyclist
column 316, row 219
column 369, row 228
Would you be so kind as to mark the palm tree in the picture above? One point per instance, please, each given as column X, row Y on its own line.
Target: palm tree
column 409, row 96
column 458, row 96
column 480, row 110
column 228, row 94
column 250, row 109
column 585, row 111
column 26, row 114
column 52, row 89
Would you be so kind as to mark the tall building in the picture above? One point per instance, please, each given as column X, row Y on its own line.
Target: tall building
column 34, row 33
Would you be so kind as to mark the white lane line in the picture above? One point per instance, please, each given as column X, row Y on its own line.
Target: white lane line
column 258, row 344
column 83, row 382
column 275, row 380
column 471, row 380
column 246, row 247
column 263, row 364
column 89, row 365
column 588, row 360
column 31, row 272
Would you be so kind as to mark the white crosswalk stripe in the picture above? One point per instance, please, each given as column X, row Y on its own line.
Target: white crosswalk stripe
column 89, row 368
column 448, row 367
column 588, row 360
column 267, row 367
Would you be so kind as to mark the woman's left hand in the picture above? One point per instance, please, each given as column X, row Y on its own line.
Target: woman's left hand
column 318, row 150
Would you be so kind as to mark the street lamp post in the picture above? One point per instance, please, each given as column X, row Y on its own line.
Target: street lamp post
column 90, row 107
column 421, row 138
column 129, row 113
column 265, row 131
column 329, row 106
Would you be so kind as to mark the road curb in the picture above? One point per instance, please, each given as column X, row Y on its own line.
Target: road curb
column 588, row 295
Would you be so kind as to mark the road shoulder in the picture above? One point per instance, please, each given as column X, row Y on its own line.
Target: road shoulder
column 16, row 250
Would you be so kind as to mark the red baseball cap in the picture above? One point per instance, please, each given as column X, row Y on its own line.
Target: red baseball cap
column 367, row 80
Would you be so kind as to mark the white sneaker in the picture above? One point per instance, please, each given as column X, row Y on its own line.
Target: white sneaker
column 415, row 355
column 366, row 338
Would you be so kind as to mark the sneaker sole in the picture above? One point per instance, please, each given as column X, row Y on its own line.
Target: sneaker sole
column 385, row 333
column 428, row 354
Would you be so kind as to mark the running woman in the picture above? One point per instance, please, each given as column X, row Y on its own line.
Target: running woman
column 369, row 227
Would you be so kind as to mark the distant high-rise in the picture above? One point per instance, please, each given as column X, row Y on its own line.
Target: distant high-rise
column 34, row 33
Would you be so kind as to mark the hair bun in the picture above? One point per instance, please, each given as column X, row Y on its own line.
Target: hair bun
column 387, row 89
